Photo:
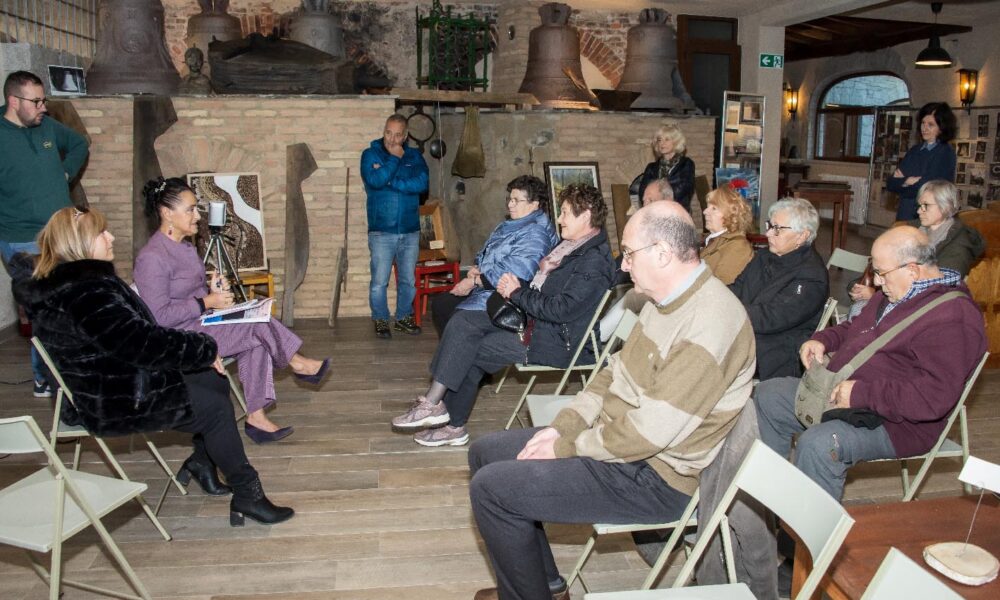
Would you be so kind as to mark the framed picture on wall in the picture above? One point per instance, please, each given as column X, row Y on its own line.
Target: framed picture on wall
column 243, row 233
column 431, row 233
column 558, row 175
column 751, row 111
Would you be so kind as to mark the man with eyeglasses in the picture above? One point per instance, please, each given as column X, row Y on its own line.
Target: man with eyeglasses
column 901, row 397
column 38, row 158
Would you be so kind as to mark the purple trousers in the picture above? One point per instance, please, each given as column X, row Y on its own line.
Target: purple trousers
column 258, row 348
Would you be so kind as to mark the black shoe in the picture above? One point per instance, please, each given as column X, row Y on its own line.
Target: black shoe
column 259, row 436
column 206, row 476
column 382, row 329
column 407, row 325
column 250, row 501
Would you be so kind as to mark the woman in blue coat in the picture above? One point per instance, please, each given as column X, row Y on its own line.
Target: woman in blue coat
column 932, row 158
column 515, row 246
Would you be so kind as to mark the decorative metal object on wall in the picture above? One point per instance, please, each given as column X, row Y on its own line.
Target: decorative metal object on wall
column 131, row 55
column 454, row 45
column 651, row 64
column 315, row 26
column 554, row 73
column 267, row 65
column 212, row 23
column 299, row 165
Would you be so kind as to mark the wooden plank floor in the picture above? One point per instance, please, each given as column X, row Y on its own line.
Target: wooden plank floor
column 378, row 517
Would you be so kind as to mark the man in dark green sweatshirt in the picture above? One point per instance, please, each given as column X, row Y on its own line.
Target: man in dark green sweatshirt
column 38, row 158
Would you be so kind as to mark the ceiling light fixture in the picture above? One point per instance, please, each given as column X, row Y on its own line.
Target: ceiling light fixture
column 933, row 56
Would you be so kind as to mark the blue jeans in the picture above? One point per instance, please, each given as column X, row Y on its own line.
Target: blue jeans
column 385, row 248
column 823, row 452
column 7, row 251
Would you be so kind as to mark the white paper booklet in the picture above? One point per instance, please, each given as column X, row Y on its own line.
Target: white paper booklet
column 257, row 310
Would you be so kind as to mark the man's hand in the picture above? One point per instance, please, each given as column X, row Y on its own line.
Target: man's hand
column 541, row 446
column 395, row 150
column 841, row 395
column 376, row 166
column 810, row 351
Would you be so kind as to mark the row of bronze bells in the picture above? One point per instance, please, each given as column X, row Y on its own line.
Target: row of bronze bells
column 132, row 55
column 554, row 74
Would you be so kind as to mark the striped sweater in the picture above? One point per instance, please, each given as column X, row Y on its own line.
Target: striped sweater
column 673, row 392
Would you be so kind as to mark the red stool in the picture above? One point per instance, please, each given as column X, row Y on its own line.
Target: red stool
column 427, row 284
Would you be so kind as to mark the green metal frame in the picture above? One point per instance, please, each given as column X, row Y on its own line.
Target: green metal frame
column 450, row 36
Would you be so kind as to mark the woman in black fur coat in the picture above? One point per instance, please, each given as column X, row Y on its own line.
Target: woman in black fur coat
column 128, row 374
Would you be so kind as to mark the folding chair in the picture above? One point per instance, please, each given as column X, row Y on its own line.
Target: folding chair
column 820, row 522
column 235, row 386
column 829, row 309
column 944, row 447
column 899, row 578
column 61, row 430
column 41, row 511
column 842, row 259
column 590, row 336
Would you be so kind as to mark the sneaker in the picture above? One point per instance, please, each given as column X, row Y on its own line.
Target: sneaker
column 42, row 389
column 442, row 436
column 422, row 413
column 382, row 329
column 407, row 325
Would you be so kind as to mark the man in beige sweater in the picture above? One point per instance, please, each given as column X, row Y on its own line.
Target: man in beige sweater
column 630, row 447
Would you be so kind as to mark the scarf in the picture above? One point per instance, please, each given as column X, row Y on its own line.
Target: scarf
column 937, row 236
column 554, row 259
column 666, row 166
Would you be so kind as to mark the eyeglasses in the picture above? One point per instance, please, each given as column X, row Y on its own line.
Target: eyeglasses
column 36, row 101
column 628, row 254
column 511, row 199
column 925, row 206
column 882, row 274
column 775, row 227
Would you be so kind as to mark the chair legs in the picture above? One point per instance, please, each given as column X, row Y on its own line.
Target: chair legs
column 520, row 404
column 172, row 477
column 578, row 568
column 117, row 468
column 910, row 488
column 237, row 389
column 506, row 372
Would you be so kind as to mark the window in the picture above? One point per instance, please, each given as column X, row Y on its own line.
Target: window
column 846, row 114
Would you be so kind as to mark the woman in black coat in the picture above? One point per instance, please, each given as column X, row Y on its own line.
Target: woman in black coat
column 784, row 288
column 670, row 164
column 559, row 302
column 128, row 374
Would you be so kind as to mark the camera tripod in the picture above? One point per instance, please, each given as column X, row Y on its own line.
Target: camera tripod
column 223, row 264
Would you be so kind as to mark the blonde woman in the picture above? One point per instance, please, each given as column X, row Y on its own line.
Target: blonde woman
column 726, row 250
column 672, row 164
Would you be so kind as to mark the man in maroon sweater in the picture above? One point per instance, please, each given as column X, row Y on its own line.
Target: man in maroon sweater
column 912, row 383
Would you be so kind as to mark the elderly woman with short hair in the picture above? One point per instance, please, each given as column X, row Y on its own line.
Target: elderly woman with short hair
column 784, row 288
column 727, row 250
column 669, row 147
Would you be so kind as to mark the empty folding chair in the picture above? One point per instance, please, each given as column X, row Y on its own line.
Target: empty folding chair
column 899, row 578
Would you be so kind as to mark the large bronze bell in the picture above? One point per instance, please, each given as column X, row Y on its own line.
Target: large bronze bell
column 554, row 74
column 212, row 23
column 131, row 53
column 651, row 64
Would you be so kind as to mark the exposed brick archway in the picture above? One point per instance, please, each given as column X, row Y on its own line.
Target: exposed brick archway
column 603, row 56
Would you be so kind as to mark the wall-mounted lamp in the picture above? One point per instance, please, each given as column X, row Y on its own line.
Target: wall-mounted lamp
column 968, row 81
column 791, row 100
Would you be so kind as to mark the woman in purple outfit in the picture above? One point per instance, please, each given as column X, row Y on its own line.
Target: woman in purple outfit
column 171, row 281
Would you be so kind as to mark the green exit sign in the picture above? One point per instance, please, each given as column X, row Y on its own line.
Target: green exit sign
column 772, row 61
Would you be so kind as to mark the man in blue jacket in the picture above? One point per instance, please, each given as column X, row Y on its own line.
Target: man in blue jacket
column 38, row 158
column 395, row 175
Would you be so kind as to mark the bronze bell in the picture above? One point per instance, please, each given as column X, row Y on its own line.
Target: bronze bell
column 131, row 53
column 651, row 64
column 554, row 74
column 212, row 23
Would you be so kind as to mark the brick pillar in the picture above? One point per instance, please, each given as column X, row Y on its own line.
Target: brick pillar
column 511, row 56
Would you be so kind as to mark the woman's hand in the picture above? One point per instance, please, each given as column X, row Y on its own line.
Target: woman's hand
column 219, row 295
column 897, row 173
column 507, row 285
column 861, row 292
column 217, row 282
column 217, row 365
column 910, row 181
column 464, row 287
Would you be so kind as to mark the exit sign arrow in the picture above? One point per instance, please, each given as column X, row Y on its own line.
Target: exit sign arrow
column 772, row 61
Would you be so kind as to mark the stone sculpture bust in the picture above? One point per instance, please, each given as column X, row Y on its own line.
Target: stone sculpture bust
column 195, row 83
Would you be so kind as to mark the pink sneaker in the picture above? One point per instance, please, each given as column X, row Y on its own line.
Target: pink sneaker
column 442, row 436
column 422, row 414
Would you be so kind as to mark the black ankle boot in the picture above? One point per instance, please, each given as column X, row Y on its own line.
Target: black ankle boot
column 249, row 501
column 206, row 476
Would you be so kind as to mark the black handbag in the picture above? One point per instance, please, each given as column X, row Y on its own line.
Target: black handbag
column 505, row 314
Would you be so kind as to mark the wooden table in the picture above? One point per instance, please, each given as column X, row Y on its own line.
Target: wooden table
column 909, row 526
column 840, row 200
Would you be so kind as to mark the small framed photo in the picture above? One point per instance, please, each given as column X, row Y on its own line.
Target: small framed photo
column 751, row 112
column 960, row 179
column 431, row 233
column 963, row 149
column 67, row 81
column 558, row 175
column 981, row 146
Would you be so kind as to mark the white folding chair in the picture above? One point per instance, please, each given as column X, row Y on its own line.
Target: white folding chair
column 820, row 522
column 829, row 309
column 899, row 578
column 847, row 260
column 62, row 431
column 944, row 447
column 235, row 386
column 589, row 337
column 41, row 511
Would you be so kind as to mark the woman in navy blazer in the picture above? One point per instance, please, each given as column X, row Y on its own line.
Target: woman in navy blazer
column 932, row 158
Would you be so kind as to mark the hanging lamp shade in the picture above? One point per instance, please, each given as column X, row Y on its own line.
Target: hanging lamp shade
column 933, row 56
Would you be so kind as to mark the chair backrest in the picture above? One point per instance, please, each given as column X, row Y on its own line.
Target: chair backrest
column 619, row 335
column 21, row 435
column 818, row 519
column 591, row 331
column 701, row 190
column 969, row 383
column 828, row 309
column 899, row 578
column 847, row 260
column 52, row 366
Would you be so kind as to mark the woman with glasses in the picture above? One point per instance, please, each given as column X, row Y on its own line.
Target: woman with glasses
column 930, row 158
column 515, row 246
column 784, row 288
column 956, row 245
column 669, row 147
column 559, row 301
column 727, row 250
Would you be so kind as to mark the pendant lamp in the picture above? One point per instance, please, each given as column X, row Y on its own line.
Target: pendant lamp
column 933, row 56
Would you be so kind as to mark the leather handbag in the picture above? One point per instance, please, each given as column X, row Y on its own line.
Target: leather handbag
column 505, row 314
column 812, row 398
